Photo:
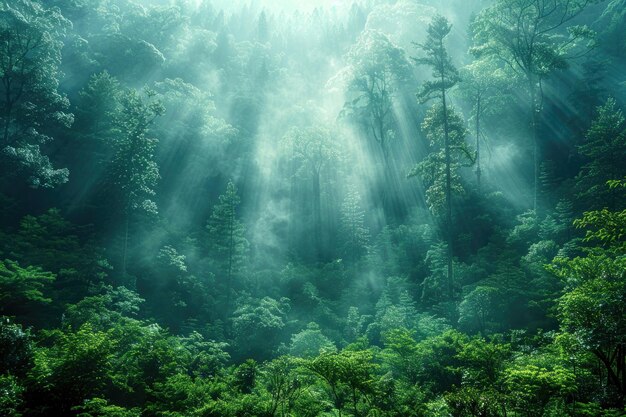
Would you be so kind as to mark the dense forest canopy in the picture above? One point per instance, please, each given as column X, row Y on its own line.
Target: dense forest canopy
column 349, row 208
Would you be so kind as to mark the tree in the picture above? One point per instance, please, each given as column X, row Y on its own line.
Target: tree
column 16, row 348
column 532, row 388
column 310, row 342
column 483, row 86
column 478, row 308
column 348, row 376
column 605, row 150
column 354, row 232
column 21, row 285
column 592, row 309
column 444, row 130
column 377, row 70
column 31, row 38
column 533, row 39
column 78, row 366
column 98, row 407
column 284, row 383
column 257, row 325
column 374, row 79
column 11, row 392
column 133, row 171
column 313, row 149
column 97, row 107
column 227, row 243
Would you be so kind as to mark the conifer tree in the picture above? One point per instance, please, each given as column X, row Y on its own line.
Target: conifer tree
column 228, row 244
column 444, row 129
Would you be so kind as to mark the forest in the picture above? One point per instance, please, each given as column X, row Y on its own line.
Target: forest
column 315, row 208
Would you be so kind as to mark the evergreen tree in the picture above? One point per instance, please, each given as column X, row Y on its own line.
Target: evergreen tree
column 227, row 242
column 444, row 130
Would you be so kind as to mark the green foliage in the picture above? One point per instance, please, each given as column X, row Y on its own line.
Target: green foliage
column 377, row 70
column 19, row 286
column 472, row 402
column 259, row 320
column 310, row 342
column 433, row 298
column 16, row 349
column 528, row 35
column 10, row 396
column 98, row 407
column 479, row 308
column 433, row 169
column 133, row 171
column 532, row 388
column 78, row 366
column 355, row 234
column 605, row 151
column 227, row 241
column 445, row 74
column 347, row 376
column 31, row 106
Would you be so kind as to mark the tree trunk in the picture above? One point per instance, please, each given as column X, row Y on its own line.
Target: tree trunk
column 448, row 191
column 478, row 168
column 535, row 138
column 125, row 249
column 317, row 215
column 231, row 248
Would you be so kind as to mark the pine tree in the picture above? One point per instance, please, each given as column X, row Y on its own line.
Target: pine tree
column 228, row 245
column 444, row 130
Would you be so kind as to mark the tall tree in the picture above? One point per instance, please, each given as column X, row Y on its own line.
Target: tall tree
column 533, row 38
column 605, row 150
column 444, row 129
column 484, row 87
column 313, row 149
column 592, row 311
column 133, row 171
column 228, row 244
column 377, row 70
column 31, row 38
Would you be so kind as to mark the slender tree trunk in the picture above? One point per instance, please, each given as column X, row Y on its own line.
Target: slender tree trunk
column 317, row 214
column 535, row 138
column 231, row 224
column 125, row 249
column 478, row 167
column 7, row 117
column 448, row 191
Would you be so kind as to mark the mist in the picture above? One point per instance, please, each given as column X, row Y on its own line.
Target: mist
column 312, row 208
